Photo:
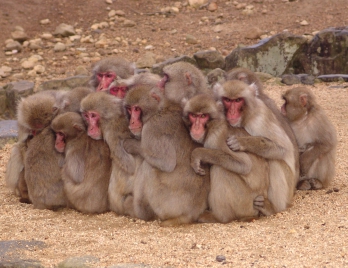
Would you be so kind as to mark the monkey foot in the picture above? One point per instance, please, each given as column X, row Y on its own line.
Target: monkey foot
column 309, row 184
column 207, row 217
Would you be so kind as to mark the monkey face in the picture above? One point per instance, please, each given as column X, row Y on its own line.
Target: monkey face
column 92, row 118
column 233, row 108
column 105, row 80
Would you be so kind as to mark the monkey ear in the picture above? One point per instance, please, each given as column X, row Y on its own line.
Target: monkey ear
column 55, row 109
column 303, row 99
column 79, row 127
column 188, row 78
column 156, row 97
column 243, row 77
column 255, row 89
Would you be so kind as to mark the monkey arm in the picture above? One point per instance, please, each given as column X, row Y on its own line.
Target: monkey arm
column 160, row 152
column 132, row 146
column 238, row 162
column 124, row 159
column 313, row 152
column 261, row 146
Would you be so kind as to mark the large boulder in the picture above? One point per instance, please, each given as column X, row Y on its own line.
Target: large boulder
column 273, row 55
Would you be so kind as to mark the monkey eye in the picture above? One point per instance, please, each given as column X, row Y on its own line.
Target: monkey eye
column 137, row 109
column 226, row 99
column 238, row 100
column 100, row 75
column 203, row 115
column 109, row 75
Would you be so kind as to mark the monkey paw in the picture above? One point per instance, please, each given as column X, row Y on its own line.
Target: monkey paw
column 196, row 165
column 233, row 143
column 259, row 201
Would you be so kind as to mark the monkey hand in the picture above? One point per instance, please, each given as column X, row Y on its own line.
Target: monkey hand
column 196, row 165
column 233, row 143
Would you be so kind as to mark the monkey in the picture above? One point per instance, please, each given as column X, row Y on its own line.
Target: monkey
column 249, row 77
column 239, row 181
column 182, row 80
column 119, row 87
column 87, row 164
column 166, row 187
column 268, row 139
column 69, row 101
column 34, row 113
column 42, row 165
column 316, row 137
column 105, row 116
column 108, row 69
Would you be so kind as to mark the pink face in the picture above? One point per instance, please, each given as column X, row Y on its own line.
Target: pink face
column 60, row 142
column 233, row 109
column 198, row 123
column 119, row 91
column 92, row 118
column 105, row 80
column 135, row 123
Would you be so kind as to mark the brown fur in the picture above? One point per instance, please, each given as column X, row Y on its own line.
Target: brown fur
column 87, row 167
column 236, row 178
column 316, row 137
column 114, row 127
column 166, row 186
column 268, row 139
column 249, row 77
column 43, row 172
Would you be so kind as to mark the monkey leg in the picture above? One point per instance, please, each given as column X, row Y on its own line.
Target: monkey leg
column 263, row 205
column 309, row 184
column 207, row 217
column 23, row 189
column 184, row 219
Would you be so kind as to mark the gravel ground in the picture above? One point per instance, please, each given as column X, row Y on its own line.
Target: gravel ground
column 312, row 233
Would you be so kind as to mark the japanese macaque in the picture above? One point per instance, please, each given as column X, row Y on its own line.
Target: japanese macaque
column 268, row 138
column 249, row 77
column 87, row 165
column 69, row 101
column 315, row 135
column 119, row 87
column 166, row 186
column 239, row 181
column 182, row 80
column 34, row 113
column 42, row 166
column 105, row 117
column 107, row 70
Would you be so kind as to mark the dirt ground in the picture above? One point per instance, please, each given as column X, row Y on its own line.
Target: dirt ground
column 312, row 233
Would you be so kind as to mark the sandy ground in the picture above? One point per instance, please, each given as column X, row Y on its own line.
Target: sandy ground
column 312, row 233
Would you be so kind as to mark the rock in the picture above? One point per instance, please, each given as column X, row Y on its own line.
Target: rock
column 210, row 59
column 197, row 3
column 129, row 23
column 79, row 262
column 44, row 21
column 15, row 91
column 220, row 258
column 59, row 47
column 146, row 61
column 108, row 2
column 290, row 79
column 67, row 83
column 32, row 73
column 102, row 43
column 333, row 77
column 190, row 39
column 218, row 28
column 112, row 13
column 120, row 13
column 157, row 68
column 19, row 36
column 212, row 6
column 263, row 76
column 46, row 36
column 304, row 23
column 39, row 69
column 327, row 53
column 13, row 45
column 28, row 64
column 64, row 30
column 253, row 33
column 306, row 79
column 273, row 55
column 35, row 43
column 87, row 39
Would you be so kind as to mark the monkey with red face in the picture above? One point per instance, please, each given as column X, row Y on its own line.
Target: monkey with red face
column 105, row 71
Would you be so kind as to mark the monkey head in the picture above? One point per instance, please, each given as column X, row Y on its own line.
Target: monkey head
column 236, row 96
column 198, row 112
column 297, row 103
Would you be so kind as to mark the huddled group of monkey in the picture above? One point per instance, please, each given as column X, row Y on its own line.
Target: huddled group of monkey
column 170, row 147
